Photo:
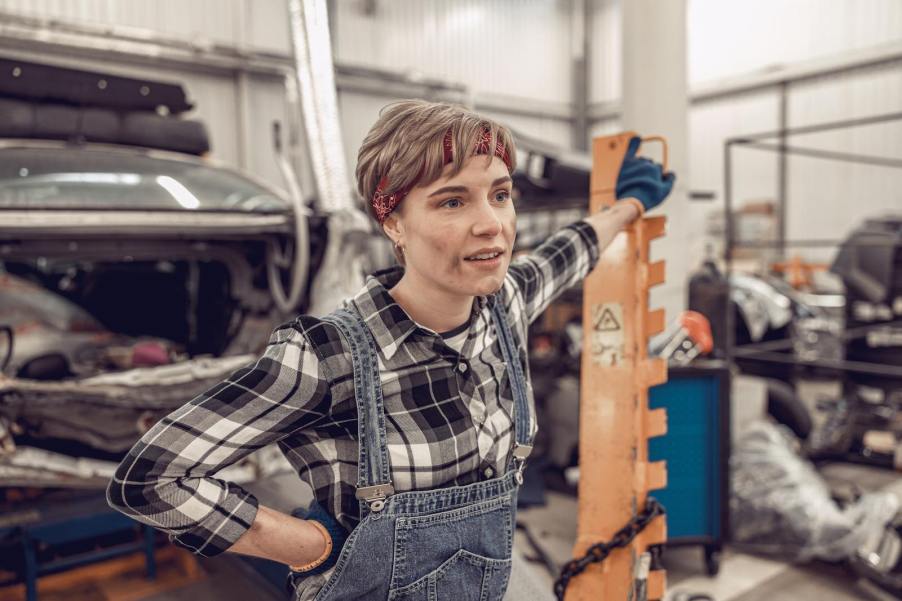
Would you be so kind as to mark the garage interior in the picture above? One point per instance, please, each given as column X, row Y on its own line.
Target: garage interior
column 176, row 180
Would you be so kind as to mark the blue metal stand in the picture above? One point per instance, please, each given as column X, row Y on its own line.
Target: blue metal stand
column 56, row 524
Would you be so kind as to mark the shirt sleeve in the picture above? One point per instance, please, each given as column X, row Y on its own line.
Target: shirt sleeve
column 561, row 261
column 167, row 479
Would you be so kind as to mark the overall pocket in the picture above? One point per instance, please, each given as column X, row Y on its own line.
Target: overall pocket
column 462, row 553
column 464, row 576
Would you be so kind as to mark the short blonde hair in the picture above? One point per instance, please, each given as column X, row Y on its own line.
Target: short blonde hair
column 406, row 145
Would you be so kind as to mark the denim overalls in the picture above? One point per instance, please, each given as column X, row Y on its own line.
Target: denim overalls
column 445, row 544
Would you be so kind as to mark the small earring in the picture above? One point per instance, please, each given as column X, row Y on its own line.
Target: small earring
column 398, row 246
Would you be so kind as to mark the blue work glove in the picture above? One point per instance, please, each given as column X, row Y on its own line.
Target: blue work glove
column 643, row 179
column 336, row 531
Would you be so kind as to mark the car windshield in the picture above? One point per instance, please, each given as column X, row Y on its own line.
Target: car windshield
column 79, row 178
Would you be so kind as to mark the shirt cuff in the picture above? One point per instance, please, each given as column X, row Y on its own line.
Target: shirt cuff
column 223, row 526
column 587, row 234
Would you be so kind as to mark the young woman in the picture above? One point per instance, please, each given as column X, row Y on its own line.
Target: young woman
column 425, row 368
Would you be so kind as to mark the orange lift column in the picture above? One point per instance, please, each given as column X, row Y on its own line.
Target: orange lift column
column 615, row 422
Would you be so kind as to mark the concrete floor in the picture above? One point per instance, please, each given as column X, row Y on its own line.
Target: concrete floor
column 742, row 577
column 230, row 579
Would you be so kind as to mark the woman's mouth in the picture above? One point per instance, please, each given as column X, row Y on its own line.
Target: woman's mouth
column 487, row 260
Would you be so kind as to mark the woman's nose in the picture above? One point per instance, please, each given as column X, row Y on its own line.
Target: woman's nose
column 486, row 221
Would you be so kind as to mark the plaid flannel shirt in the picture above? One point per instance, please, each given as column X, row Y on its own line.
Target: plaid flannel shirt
column 448, row 413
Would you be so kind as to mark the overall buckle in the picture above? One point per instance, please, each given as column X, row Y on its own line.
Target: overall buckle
column 375, row 495
column 521, row 452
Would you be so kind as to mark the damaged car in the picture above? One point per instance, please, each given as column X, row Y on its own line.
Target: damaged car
column 134, row 272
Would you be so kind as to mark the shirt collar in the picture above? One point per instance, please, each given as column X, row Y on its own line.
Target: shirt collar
column 388, row 322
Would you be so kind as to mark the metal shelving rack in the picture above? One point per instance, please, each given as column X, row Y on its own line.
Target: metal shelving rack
column 768, row 351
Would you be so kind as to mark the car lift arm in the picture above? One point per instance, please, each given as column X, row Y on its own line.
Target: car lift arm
column 615, row 422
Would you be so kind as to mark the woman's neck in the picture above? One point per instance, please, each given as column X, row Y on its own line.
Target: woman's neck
column 435, row 309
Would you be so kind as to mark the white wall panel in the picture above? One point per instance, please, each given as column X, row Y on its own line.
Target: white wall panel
column 266, row 25
column 197, row 20
column 605, row 127
column 266, row 104
column 358, row 113
column 712, row 123
column 828, row 198
column 604, row 60
column 553, row 131
column 825, row 199
column 754, row 171
column 511, row 47
column 860, row 93
column 730, row 37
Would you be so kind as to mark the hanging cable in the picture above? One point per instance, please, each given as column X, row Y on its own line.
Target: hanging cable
column 275, row 258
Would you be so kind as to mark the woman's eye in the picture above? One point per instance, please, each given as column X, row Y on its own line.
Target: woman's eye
column 451, row 203
column 502, row 195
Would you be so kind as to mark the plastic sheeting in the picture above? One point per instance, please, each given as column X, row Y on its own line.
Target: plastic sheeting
column 781, row 506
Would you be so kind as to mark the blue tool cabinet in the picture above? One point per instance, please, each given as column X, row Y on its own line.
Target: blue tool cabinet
column 697, row 450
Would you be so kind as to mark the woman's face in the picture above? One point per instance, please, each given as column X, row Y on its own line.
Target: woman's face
column 445, row 225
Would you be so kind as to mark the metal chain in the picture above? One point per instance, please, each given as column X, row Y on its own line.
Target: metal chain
column 600, row 551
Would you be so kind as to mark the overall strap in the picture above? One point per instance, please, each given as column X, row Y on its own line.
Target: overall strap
column 374, row 470
column 522, row 431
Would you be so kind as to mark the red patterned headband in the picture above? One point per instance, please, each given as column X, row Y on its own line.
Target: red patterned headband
column 383, row 203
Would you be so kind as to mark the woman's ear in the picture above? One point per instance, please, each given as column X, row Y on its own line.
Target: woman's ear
column 393, row 228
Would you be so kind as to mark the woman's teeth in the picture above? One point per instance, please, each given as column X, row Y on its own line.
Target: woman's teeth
column 483, row 257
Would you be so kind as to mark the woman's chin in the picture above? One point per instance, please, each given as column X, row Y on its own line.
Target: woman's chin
column 487, row 285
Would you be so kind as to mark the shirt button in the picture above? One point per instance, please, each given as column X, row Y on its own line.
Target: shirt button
column 462, row 367
column 489, row 472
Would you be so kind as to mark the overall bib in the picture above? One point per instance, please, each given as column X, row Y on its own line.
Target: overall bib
column 445, row 544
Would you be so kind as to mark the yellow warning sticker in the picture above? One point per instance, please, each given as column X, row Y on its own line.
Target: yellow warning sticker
column 607, row 334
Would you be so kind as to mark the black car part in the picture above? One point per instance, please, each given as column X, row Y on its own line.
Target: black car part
column 786, row 407
column 37, row 82
column 49, row 102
